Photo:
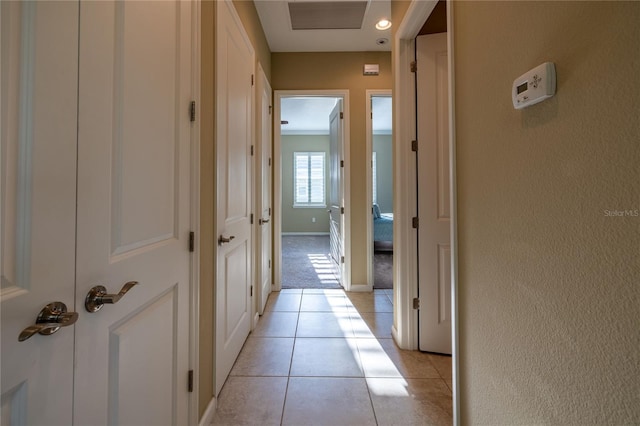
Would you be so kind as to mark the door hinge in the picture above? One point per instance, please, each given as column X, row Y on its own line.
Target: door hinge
column 251, row 291
column 270, row 109
column 269, row 162
column 341, row 163
column 192, row 241
column 414, row 146
column 416, row 303
column 342, row 115
column 192, row 111
column 415, row 222
column 414, row 66
column 341, row 210
column 342, row 259
column 252, row 79
column 269, row 211
column 251, row 150
column 251, row 218
column 269, row 263
column 190, row 381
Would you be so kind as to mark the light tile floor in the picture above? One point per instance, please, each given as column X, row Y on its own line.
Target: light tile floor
column 326, row 357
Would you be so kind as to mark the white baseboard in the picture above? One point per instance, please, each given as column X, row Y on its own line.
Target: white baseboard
column 209, row 413
column 304, row 233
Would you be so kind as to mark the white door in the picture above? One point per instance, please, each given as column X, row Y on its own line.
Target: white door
column 263, row 186
column 113, row 94
column 38, row 122
column 336, row 190
column 234, row 122
column 433, row 199
column 134, row 205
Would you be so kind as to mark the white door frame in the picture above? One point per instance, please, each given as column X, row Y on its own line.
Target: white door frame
column 369, row 152
column 262, row 83
column 405, row 237
column 277, row 181
column 194, row 282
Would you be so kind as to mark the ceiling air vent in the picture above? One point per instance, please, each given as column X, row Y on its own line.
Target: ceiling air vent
column 327, row 15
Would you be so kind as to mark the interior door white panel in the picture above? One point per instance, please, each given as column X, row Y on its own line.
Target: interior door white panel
column 234, row 133
column 434, row 199
column 151, row 330
column 336, row 190
column 134, row 211
column 38, row 122
column 263, row 184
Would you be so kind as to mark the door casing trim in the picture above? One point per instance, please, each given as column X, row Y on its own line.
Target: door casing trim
column 369, row 152
column 405, row 330
column 277, row 181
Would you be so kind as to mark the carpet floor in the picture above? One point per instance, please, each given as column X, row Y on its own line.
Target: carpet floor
column 306, row 263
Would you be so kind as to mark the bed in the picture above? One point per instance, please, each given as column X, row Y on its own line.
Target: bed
column 382, row 230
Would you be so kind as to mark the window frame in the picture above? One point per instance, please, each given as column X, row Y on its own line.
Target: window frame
column 309, row 204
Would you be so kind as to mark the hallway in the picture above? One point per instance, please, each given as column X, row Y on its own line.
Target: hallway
column 327, row 357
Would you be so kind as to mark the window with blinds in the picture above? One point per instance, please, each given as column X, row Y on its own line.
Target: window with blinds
column 309, row 179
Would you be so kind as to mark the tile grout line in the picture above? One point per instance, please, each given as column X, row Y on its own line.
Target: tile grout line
column 295, row 337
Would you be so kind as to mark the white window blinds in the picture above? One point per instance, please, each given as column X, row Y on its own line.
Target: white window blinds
column 309, row 179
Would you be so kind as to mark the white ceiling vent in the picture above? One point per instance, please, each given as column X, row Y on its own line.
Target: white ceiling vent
column 327, row 15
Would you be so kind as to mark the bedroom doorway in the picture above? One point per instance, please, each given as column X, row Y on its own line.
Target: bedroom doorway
column 307, row 236
column 380, row 149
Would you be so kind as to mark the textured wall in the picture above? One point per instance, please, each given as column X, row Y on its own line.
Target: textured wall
column 549, row 280
column 299, row 219
column 249, row 16
column 342, row 70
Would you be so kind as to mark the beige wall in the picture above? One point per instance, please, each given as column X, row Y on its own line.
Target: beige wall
column 248, row 15
column 300, row 219
column 343, row 70
column 548, row 282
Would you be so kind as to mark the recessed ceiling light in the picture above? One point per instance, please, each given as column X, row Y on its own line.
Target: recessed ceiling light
column 383, row 24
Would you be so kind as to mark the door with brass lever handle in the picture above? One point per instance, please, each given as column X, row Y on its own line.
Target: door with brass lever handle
column 97, row 296
column 263, row 221
column 49, row 320
column 223, row 240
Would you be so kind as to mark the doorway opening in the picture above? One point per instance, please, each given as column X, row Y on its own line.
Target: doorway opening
column 380, row 148
column 309, row 191
column 309, row 187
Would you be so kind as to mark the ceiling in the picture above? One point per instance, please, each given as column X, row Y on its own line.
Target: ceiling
column 277, row 23
column 310, row 115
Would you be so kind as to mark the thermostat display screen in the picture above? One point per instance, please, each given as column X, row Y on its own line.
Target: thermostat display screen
column 522, row 87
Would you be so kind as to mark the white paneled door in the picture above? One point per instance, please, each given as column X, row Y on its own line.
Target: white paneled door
column 263, row 186
column 434, row 189
column 336, row 189
column 108, row 102
column 234, row 133
column 39, row 79
column 133, row 211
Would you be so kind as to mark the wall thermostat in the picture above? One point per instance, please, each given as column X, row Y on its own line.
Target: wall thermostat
column 534, row 86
